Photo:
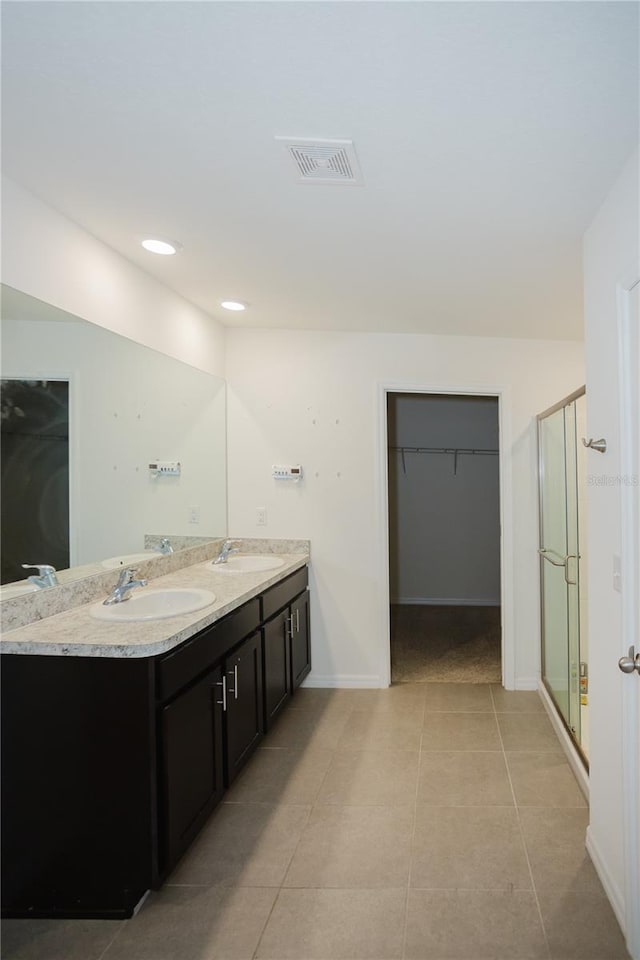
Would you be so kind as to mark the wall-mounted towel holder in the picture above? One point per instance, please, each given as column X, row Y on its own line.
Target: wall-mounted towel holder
column 599, row 445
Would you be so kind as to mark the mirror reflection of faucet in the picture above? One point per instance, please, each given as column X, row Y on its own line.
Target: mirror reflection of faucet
column 46, row 575
column 125, row 584
column 226, row 550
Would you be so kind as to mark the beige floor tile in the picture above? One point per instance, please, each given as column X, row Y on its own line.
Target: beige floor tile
column 458, row 697
column 281, row 776
column 340, row 924
column 473, row 925
column 299, row 730
column 196, row 923
column 460, row 731
column 544, row 780
column 516, row 701
column 463, row 778
column 384, row 777
column 244, row 844
column 324, row 703
column 362, row 847
column 57, row 939
column 555, row 840
column 473, row 848
column 528, row 732
column 581, row 926
column 366, row 731
column 400, row 701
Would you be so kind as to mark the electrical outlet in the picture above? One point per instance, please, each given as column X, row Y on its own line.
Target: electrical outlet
column 194, row 514
column 261, row 516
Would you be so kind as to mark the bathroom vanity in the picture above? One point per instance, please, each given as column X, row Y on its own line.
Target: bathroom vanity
column 113, row 758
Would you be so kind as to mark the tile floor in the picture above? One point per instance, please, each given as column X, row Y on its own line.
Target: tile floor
column 427, row 822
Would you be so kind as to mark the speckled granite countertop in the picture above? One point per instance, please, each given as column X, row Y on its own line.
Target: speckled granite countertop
column 76, row 633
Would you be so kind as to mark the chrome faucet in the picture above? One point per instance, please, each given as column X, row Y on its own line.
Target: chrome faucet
column 165, row 546
column 125, row 583
column 47, row 575
column 226, row 549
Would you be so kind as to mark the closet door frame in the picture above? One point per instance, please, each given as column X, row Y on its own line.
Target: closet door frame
column 503, row 395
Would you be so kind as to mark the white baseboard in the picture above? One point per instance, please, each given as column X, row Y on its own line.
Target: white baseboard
column 566, row 742
column 614, row 894
column 444, row 602
column 365, row 681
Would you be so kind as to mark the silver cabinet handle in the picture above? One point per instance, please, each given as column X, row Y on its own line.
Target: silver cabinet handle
column 631, row 662
column 234, row 672
column 223, row 684
column 297, row 619
column 289, row 627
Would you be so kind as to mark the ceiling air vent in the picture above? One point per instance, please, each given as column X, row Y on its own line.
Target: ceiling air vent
column 323, row 161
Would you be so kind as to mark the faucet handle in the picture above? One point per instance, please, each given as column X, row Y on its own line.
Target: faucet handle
column 44, row 569
column 126, row 576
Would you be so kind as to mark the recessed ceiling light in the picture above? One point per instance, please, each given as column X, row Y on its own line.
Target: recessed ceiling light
column 233, row 304
column 163, row 247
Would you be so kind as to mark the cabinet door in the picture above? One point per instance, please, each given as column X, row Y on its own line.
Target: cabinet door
column 276, row 656
column 244, row 720
column 300, row 640
column 191, row 779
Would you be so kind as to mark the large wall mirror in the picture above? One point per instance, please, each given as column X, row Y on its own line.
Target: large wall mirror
column 84, row 413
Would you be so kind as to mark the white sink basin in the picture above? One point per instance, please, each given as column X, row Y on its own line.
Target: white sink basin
column 248, row 563
column 126, row 559
column 154, row 604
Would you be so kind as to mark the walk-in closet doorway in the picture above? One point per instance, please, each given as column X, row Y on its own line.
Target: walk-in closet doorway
column 443, row 471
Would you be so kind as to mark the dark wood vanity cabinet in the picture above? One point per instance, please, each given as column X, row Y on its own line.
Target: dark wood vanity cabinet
column 277, row 668
column 243, row 697
column 300, row 638
column 191, row 763
column 110, row 766
column 286, row 643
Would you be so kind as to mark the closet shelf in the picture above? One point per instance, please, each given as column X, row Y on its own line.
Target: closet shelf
column 455, row 452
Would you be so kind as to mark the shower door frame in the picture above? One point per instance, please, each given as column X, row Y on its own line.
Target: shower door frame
column 560, row 405
column 503, row 395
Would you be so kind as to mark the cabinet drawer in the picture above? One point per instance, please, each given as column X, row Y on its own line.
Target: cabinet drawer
column 182, row 665
column 283, row 593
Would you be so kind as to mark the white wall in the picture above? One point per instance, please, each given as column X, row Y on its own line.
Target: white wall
column 313, row 398
column 610, row 255
column 128, row 407
column 55, row 260
column 444, row 526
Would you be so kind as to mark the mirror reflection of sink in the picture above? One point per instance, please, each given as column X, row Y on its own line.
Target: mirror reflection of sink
column 125, row 559
column 12, row 590
column 154, row 605
column 247, row 563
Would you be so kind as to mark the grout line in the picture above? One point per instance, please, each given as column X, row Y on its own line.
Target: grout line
column 413, row 831
column 121, row 927
column 520, row 828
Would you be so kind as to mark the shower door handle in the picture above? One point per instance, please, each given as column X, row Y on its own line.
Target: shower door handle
column 570, row 556
column 557, row 563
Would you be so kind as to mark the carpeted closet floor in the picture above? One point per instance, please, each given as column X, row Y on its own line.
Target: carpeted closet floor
column 445, row 644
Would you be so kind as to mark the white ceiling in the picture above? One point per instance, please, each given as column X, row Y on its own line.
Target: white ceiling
column 487, row 133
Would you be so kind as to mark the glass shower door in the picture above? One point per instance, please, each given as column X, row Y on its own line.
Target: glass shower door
column 559, row 561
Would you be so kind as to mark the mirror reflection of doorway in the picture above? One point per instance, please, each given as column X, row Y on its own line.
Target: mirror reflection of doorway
column 444, row 538
column 35, row 475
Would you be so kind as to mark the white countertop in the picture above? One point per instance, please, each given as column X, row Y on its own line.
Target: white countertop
column 76, row 633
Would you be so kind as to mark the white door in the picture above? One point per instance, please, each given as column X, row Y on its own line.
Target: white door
column 629, row 365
